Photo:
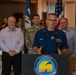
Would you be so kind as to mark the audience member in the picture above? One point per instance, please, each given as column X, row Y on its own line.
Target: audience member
column 20, row 24
column 4, row 24
column 71, row 40
column 11, row 42
column 30, row 33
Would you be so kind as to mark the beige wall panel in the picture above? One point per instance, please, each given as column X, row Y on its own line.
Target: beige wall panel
column 44, row 6
column 40, row 7
column 70, row 14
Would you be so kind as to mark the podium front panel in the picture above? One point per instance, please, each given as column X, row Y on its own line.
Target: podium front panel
column 29, row 60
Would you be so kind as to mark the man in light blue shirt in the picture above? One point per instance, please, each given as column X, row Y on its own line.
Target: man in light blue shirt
column 11, row 42
column 71, row 40
column 70, row 34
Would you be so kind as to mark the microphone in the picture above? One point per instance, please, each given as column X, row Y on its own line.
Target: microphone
column 55, row 40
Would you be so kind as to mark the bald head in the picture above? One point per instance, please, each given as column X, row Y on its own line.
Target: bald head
column 11, row 17
column 64, row 19
column 64, row 23
column 11, row 22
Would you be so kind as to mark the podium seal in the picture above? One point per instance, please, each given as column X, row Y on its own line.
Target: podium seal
column 45, row 65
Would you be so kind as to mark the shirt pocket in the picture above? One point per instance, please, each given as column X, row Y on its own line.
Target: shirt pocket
column 41, row 42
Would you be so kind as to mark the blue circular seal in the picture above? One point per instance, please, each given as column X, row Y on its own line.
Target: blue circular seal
column 45, row 65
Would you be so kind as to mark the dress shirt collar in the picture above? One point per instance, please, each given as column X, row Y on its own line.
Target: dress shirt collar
column 9, row 29
column 66, row 30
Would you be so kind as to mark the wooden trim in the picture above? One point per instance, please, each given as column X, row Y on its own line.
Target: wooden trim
column 69, row 2
column 52, row 1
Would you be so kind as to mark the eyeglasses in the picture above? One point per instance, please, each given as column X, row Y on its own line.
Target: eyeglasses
column 63, row 22
column 52, row 20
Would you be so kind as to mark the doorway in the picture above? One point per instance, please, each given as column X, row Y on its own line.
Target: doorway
column 18, row 15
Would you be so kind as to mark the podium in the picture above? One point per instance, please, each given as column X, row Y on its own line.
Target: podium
column 28, row 61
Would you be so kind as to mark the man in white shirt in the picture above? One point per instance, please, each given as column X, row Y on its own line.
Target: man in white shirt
column 11, row 42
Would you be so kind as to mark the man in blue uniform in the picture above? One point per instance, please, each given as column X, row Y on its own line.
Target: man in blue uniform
column 50, row 40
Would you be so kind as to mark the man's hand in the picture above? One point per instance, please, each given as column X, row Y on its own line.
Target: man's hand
column 12, row 53
column 59, row 51
column 40, row 50
column 15, row 52
column 64, row 51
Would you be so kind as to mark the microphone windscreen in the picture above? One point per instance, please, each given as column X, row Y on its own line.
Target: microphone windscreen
column 52, row 38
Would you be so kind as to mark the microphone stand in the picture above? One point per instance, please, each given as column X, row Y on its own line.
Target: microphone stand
column 53, row 38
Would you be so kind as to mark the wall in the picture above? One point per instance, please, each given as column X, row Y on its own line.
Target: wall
column 40, row 7
column 69, row 9
column 70, row 14
column 9, row 8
